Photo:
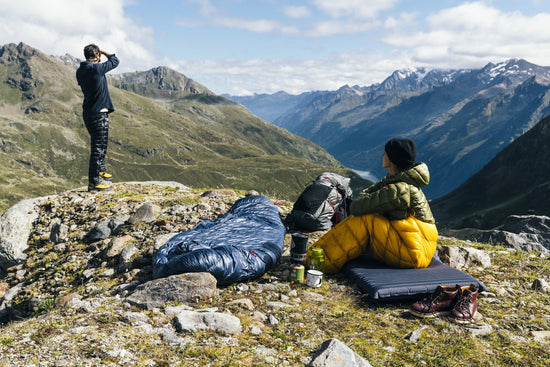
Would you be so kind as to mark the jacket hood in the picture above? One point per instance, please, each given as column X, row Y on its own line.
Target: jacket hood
column 418, row 175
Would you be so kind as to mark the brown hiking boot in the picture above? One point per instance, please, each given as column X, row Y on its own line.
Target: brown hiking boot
column 439, row 303
column 465, row 308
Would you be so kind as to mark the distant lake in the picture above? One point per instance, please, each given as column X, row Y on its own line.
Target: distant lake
column 367, row 175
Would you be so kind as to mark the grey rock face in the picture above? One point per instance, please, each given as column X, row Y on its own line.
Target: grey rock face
column 520, row 232
column 536, row 224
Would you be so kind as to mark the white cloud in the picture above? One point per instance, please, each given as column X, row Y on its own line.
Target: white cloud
column 336, row 27
column 258, row 26
column 475, row 33
column 243, row 77
column 354, row 16
column 66, row 26
column 354, row 8
column 206, row 7
column 344, row 17
column 402, row 22
column 297, row 11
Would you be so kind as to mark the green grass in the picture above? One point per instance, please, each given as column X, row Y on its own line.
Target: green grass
column 6, row 341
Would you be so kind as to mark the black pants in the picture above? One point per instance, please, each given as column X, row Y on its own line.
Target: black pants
column 98, row 127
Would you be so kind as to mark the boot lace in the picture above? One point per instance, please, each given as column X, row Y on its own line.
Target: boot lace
column 431, row 300
column 463, row 305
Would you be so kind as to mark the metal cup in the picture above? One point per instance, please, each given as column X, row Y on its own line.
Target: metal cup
column 314, row 278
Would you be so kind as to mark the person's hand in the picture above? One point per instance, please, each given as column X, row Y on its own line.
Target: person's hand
column 101, row 52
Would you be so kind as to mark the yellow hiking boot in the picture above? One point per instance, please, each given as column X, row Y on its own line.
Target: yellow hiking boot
column 101, row 186
column 105, row 176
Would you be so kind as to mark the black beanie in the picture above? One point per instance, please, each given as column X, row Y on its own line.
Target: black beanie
column 402, row 152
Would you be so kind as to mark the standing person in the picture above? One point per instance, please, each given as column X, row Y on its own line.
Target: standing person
column 95, row 111
column 391, row 220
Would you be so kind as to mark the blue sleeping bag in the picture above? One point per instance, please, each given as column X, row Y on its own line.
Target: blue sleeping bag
column 242, row 244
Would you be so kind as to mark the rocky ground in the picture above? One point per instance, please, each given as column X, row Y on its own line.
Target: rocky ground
column 70, row 302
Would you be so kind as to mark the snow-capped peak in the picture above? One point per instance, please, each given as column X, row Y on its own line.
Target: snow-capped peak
column 516, row 68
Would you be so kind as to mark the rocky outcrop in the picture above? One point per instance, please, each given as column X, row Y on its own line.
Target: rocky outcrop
column 11, row 52
column 521, row 232
column 160, row 78
column 84, row 295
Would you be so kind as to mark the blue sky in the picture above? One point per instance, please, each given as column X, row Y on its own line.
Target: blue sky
column 263, row 46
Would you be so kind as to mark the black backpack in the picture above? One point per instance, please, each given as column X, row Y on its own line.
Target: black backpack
column 321, row 205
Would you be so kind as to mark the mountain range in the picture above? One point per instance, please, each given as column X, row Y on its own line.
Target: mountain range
column 515, row 182
column 165, row 127
column 270, row 106
column 460, row 119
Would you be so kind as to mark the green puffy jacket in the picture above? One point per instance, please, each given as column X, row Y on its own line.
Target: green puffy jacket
column 397, row 197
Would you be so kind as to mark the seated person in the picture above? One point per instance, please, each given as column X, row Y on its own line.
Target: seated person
column 391, row 220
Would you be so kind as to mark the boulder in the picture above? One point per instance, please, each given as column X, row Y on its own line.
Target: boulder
column 128, row 253
column 463, row 257
column 15, row 228
column 189, row 287
column 59, row 232
column 99, row 232
column 162, row 239
column 5, row 302
column 334, row 353
column 117, row 245
column 145, row 214
column 191, row 321
column 540, row 284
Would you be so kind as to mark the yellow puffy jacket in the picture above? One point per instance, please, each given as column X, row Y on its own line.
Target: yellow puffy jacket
column 404, row 243
column 391, row 220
